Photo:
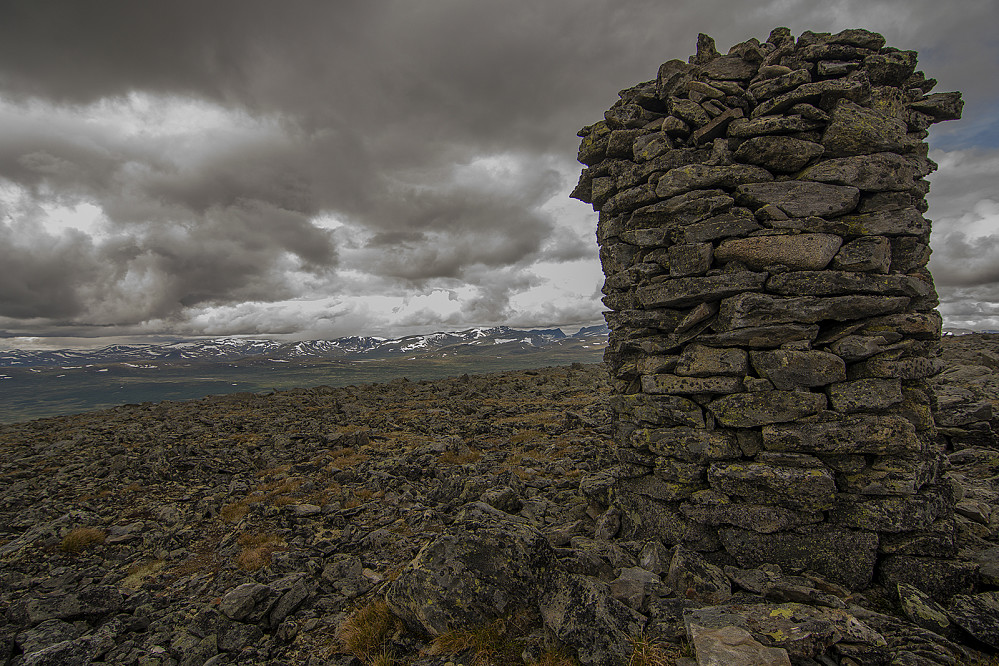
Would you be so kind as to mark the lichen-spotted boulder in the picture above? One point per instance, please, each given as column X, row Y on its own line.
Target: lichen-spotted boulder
column 486, row 564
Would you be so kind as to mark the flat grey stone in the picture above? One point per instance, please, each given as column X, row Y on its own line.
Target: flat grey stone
column 689, row 444
column 700, row 361
column 761, row 337
column 840, row 555
column 802, row 489
column 746, row 410
column 702, row 176
column 801, row 198
column 861, row 434
column 777, row 124
column 864, row 395
column 885, row 514
column 840, row 283
column 754, row 309
column 689, row 259
column 735, row 223
column 978, row 614
column 827, row 90
column 767, row 88
column 672, row 384
column 857, row 130
column 712, row 508
column 804, row 631
column 798, row 251
column 871, row 173
column 693, row 577
column 865, row 254
column 790, row 369
column 679, row 292
column 780, row 154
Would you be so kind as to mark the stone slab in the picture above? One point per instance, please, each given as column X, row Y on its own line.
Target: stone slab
column 681, row 292
column 800, row 198
column 840, row 555
column 867, row 434
column 753, row 309
column 800, row 252
column 746, row 410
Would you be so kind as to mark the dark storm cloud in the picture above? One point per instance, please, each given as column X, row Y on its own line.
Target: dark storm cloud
column 375, row 113
column 34, row 280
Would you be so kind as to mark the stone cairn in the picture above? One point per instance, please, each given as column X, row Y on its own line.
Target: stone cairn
column 772, row 318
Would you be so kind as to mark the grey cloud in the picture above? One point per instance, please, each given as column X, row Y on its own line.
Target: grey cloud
column 35, row 283
column 374, row 113
column 964, row 262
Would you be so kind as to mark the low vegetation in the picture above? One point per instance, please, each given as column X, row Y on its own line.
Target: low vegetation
column 366, row 633
column 647, row 651
column 82, row 538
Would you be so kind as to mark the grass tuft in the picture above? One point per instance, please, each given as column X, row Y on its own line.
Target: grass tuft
column 366, row 632
column 650, row 652
column 138, row 573
column 460, row 458
column 257, row 549
column 82, row 538
column 484, row 642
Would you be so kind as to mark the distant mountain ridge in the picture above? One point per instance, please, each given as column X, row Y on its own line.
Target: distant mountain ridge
column 359, row 347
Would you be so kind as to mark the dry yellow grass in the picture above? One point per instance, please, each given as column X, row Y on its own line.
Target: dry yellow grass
column 367, row 631
column 483, row 642
column 82, row 538
column 234, row 512
column 273, row 471
column 650, row 652
column 496, row 643
column 257, row 549
column 137, row 573
column 274, row 491
column 347, row 457
column 460, row 458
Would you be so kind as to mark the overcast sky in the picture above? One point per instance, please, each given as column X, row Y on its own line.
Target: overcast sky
column 314, row 169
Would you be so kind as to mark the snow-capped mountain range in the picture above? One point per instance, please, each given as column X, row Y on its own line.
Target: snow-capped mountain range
column 234, row 349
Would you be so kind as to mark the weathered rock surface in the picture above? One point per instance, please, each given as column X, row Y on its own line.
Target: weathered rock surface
column 271, row 529
column 398, row 467
column 458, row 582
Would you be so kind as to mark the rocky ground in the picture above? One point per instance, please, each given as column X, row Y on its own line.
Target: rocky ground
column 363, row 524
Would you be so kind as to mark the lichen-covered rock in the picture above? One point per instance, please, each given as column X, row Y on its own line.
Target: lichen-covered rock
column 843, row 556
column 939, row 578
column 803, row 631
column 485, row 565
column 922, row 610
column 871, row 173
column 856, row 130
column 790, row 369
column 863, row 395
column 978, row 614
column 754, row 309
column 693, row 577
column 701, row 361
column 882, row 435
column 806, row 488
column 781, row 154
column 799, row 198
column 746, row 410
column 687, row 291
column 732, row 646
column 583, row 614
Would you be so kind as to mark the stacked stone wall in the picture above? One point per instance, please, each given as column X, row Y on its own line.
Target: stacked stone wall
column 772, row 318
